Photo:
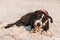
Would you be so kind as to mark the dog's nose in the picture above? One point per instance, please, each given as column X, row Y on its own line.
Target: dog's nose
column 38, row 24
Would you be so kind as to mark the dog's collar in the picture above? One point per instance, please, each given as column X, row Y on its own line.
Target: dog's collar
column 45, row 12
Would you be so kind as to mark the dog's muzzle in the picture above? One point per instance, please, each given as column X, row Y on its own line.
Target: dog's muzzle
column 38, row 24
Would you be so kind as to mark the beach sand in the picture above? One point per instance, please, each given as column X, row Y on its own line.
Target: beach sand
column 12, row 10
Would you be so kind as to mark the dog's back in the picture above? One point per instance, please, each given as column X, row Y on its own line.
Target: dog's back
column 24, row 21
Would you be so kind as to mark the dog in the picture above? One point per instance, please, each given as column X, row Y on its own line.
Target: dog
column 38, row 19
column 42, row 21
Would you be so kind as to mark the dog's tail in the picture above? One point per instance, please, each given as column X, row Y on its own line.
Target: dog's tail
column 9, row 25
column 18, row 23
column 51, row 20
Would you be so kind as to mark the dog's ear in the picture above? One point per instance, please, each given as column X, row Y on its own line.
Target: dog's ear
column 51, row 20
column 46, row 14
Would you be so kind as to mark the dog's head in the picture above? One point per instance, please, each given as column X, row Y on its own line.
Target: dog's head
column 41, row 17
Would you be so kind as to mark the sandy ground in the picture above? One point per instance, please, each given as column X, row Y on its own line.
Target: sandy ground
column 12, row 10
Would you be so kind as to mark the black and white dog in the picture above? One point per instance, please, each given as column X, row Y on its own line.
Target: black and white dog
column 37, row 19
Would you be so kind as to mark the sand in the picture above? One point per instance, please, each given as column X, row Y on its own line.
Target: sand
column 12, row 10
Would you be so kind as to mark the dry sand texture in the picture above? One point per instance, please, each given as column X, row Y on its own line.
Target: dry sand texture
column 12, row 10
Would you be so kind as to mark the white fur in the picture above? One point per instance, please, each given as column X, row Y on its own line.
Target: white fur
column 39, row 21
column 45, row 22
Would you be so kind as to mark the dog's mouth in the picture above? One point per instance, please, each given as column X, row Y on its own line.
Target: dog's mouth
column 37, row 28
